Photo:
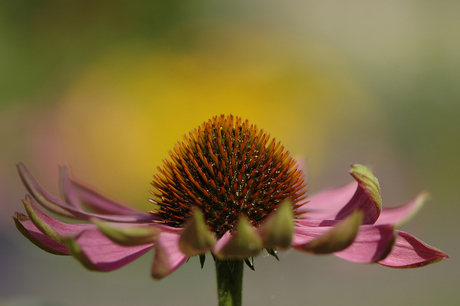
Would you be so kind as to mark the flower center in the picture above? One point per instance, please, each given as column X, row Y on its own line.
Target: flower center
column 227, row 168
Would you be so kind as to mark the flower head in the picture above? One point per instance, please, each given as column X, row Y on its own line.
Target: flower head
column 229, row 190
column 226, row 168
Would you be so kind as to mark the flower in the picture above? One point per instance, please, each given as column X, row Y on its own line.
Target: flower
column 229, row 190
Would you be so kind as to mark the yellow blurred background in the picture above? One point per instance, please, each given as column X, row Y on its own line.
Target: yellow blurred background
column 108, row 87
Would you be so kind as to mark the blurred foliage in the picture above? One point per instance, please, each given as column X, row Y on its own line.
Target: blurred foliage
column 129, row 108
column 47, row 42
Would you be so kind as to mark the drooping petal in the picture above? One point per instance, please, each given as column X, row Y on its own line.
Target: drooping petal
column 409, row 252
column 129, row 234
column 62, row 208
column 399, row 215
column 51, row 227
column 245, row 242
column 328, row 239
column 48, row 201
column 372, row 244
column 277, row 230
column 196, row 238
column 366, row 198
column 98, row 253
column 168, row 256
column 79, row 195
column 31, row 232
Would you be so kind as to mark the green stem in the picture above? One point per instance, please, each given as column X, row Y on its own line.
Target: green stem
column 229, row 282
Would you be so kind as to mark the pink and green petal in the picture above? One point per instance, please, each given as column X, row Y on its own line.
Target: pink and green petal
column 277, row 231
column 44, row 198
column 196, row 238
column 98, row 253
column 51, row 227
column 28, row 229
column 245, row 242
column 373, row 243
column 168, row 256
column 328, row 239
column 366, row 198
column 401, row 214
column 128, row 234
column 409, row 252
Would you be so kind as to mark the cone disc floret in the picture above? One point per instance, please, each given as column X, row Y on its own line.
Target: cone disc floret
column 227, row 168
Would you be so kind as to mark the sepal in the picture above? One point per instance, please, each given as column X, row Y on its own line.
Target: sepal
column 277, row 230
column 338, row 238
column 128, row 235
column 196, row 238
column 245, row 242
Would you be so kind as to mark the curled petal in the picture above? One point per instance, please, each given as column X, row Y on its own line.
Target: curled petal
column 327, row 239
column 401, row 214
column 79, row 195
column 31, row 232
column 277, row 231
column 366, row 198
column 372, row 244
column 44, row 198
column 62, row 208
column 409, row 252
column 196, row 238
column 128, row 234
column 326, row 204
column 245, row 242
column 98, row 253
column 168, row 256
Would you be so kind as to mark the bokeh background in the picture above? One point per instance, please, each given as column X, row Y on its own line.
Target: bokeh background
column 108, row 87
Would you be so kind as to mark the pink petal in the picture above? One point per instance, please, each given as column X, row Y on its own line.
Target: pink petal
column 372, row 244
column 31, row 232
column 59, row 207
column 409, row 252
column 44, row 198
column 330, row 204
column 168, row 256
column 327, row 203
column 84, row 241
column 97, row 252
column 402, row 213
column 79, row 194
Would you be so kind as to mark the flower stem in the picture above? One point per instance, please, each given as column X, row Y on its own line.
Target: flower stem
column 229, row 282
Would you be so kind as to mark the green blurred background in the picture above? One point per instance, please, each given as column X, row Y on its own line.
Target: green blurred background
column 108, row 87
